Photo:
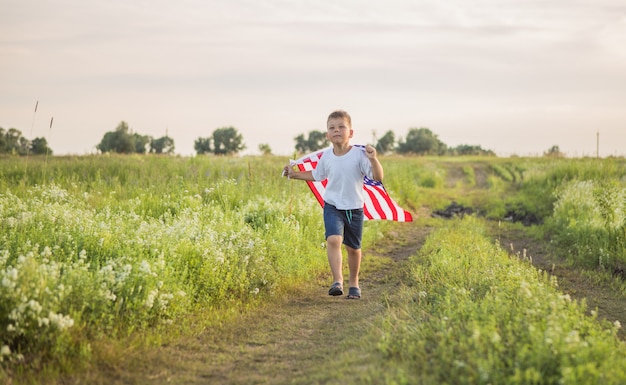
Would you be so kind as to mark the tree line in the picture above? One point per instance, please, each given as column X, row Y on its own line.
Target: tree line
column 124, row 141
column 12, row 142
column 419, row 141
column 228, row 141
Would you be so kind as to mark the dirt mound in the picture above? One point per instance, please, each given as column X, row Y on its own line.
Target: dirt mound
column 513, row 214
column 453, row 210
column 520, row 214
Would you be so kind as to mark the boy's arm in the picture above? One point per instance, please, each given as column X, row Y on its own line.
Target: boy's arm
column 290, row 173
column 377, row 168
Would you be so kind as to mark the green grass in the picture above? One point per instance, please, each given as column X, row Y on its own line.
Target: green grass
column 102, row 248
column 472, row 314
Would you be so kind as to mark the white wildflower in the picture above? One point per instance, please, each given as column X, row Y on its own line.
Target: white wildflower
column 109, row 295
column 572, row 337
column 61, row 321
column 5, row 350
column 459, row 364
column 46, row 253
column 150, row 299
column 145, row 267
column 525, row 289
column 12, row 273
column 35, row 306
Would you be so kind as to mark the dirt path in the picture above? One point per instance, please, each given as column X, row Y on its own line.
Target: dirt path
column 309, row 337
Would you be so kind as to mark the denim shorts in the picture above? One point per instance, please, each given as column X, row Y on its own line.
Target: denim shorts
column 347, row 223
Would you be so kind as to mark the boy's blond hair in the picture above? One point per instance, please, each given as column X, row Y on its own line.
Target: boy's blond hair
column 340, row 114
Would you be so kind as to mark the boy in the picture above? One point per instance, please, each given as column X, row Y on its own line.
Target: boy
column 344, row 166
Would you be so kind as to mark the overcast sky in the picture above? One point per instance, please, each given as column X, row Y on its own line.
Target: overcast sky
column 516, row 77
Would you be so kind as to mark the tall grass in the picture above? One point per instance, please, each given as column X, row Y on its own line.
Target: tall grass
column 589, row 222
column 102, row 247
column 472, row 314
column 584, row 203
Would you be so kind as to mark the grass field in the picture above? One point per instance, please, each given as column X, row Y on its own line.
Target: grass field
column 101, row 249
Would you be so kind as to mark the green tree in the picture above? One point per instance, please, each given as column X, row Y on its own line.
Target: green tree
column 315, row 141
column 202, row 146
column 3, row 141
column 23, row 146
column 39, row 146
column 385, row 144
column 13, row 142
column 466, row 149
column 119, row 141
column 162, row 145
column 227, row 141
column 141, row 142
column 554, row 152
column 421, row 141
column 265, row 149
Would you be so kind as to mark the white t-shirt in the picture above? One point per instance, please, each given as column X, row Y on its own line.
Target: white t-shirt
column 345, row 173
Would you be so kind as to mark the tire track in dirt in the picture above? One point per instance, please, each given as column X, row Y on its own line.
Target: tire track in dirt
column 610, row 305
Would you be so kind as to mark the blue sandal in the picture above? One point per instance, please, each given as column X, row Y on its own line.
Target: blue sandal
column 336, row 289
column 354, row 293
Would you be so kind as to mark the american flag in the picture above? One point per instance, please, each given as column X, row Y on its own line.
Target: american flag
column 378, row 204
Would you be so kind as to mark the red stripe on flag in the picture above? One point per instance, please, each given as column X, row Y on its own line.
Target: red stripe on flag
column 380, row 213
column 317, row 190
column 387, row 200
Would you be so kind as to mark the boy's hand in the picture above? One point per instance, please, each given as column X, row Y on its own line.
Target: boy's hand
column 370, row 151
column 286, row 170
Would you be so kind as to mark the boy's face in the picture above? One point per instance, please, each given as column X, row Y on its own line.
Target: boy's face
column 339, row 131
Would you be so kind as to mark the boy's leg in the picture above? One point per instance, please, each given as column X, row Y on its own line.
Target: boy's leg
column 333, row 249
column 352, row 240
column 334, row 226
column 354, row 264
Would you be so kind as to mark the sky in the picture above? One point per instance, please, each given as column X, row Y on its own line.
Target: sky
column 515, row 77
